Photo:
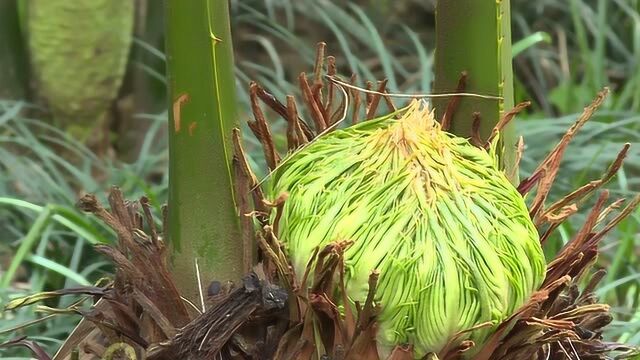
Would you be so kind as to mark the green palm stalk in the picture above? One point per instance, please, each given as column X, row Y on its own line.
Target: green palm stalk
column 450, row 235
column 202, row 220
column 474, row 36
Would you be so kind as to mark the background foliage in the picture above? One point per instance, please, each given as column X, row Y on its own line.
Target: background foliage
column 564, row 52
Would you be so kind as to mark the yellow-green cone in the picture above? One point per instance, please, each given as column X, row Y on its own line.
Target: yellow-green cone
column 79, row 50
column 450, row 235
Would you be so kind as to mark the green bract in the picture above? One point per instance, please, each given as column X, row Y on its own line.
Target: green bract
column 450, row 235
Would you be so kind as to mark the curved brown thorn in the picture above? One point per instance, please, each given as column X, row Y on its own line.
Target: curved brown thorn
column 368, row 96
column 331, row 71
column 546, row 172
column 312, row 105
column 585, row 190
column 375, row 100
column 452, row 105
column 506, row 119
column 243, row 164
column 319, row 62
column 261, row 130
column 275, row 105
column 475, row 130
column 392, row 107
column 295, row 133
column 356, row 101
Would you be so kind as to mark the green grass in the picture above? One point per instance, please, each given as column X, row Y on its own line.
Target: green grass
column 47, row 242
column 602, row 48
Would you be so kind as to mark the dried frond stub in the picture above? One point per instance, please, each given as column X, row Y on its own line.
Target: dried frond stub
column 451, row 237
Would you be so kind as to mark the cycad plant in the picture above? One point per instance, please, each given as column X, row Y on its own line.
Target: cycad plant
column 393, row 237
column 399, row 199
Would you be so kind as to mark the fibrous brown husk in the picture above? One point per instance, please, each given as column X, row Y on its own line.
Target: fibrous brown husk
column 271, row 315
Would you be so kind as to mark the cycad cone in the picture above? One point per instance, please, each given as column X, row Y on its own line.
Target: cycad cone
column 79, row 51
column 450, row 235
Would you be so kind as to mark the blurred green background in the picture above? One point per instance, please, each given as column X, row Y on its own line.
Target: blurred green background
column 112, row 132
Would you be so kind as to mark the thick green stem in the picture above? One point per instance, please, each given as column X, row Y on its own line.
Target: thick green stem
column 203, row 223
column 474, row 36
